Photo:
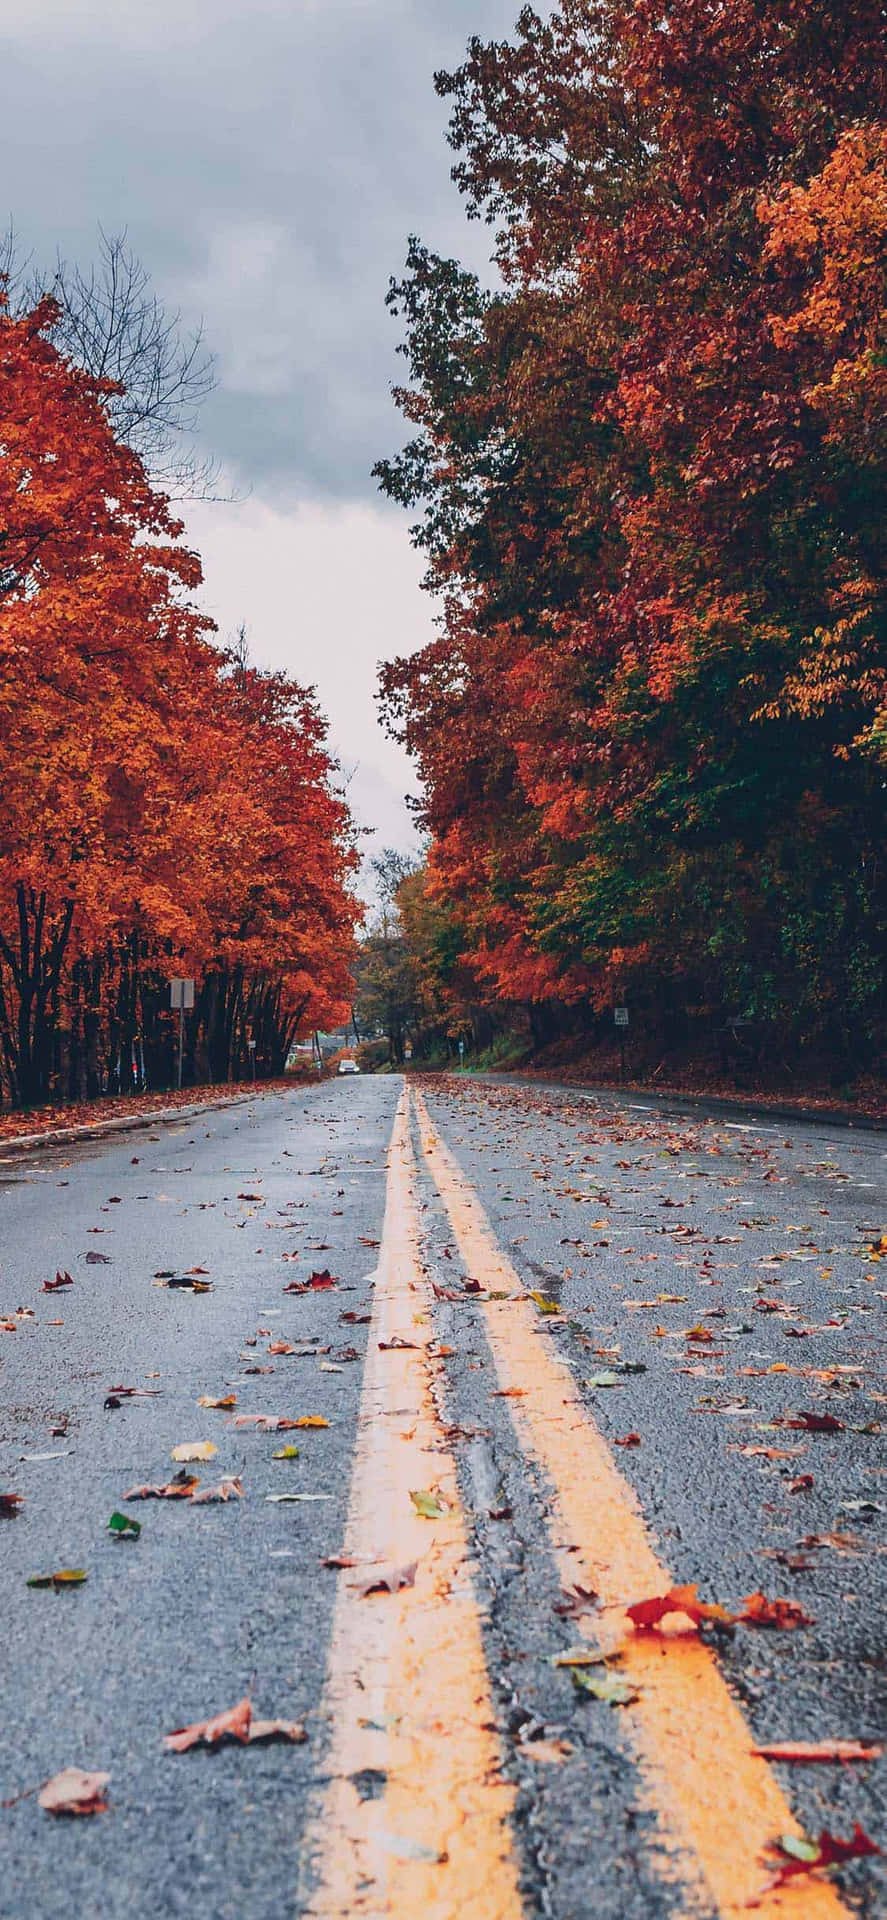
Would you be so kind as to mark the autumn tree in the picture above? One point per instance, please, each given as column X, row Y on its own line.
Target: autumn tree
column 159, row 816
column 649, row 469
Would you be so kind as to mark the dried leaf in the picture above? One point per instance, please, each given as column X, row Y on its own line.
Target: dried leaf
column 231, row 1725
column 195, row 1450
column 608, row 1687
column 61, row 1280
column 793, row 1856
column 73, row 1791
column 760, row 1612
column 224, row 1405
column 647, row 1614
column 815, row 1750
column 9, row 1505
column 388, row 1579
column 229, row 1488
column 66, row 1577
column 181, row 1487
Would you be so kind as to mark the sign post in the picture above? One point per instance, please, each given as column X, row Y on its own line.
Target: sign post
column 252, row 1054
column 461, row 1056
column 620, row 1017
column 181, row 996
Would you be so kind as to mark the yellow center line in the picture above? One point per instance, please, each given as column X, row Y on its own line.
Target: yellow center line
column 414, row 1821
column 716, row 1803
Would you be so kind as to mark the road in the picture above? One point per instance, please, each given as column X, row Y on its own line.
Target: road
column 608, row 1346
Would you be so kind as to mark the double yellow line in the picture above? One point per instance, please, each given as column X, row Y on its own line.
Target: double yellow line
column 414, row 1823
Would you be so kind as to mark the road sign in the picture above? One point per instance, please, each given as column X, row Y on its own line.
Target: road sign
column 181, row 995
column 620, row 1015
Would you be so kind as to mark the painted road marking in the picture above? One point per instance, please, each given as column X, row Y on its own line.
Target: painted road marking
column 717, row 1804
column 414, row 1821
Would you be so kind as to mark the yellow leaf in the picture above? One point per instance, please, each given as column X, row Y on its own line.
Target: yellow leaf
column 195, row 1450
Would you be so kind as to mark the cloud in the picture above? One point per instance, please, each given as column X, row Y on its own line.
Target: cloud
column 269, row 162
column 326, row 591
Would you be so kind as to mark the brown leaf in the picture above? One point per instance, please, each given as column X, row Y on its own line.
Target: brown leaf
column 290, row 1730
column 628, row 1440
column 814, row 1750
column 760, row 1612
column 73, row 1791
column 52, row 1286
column 388, row 1579
column 231, row 1725
column 230, row 1488
column 180, row 1487
column 816, row 1423
column 9, row 1505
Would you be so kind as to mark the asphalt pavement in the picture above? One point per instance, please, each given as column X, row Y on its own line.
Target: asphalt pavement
column 715, row 1291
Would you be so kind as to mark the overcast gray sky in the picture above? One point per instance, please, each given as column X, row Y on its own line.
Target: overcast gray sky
column 268, row 159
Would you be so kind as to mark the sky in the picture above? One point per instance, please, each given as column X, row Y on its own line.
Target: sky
column 268, row 162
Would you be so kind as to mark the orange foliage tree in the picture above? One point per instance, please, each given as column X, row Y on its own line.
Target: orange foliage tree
column 161, row 813
column 650, row 473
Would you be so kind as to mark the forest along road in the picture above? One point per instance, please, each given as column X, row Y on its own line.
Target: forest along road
column 542, row 1355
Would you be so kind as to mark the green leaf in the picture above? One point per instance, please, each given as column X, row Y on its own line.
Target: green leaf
column 429, row 1505
column 285, row 1453
column 607, row 1687
column 123, row 1528
column 543, row 1303
column 797, row 1848
column 603, row 1380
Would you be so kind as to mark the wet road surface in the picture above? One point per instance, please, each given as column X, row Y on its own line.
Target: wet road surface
column 609, row 1347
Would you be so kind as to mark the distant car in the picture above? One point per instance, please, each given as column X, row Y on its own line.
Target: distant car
column 348, row 1066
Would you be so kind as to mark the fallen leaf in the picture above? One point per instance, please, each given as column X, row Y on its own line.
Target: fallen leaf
column 579, row 1657
column 231, row 1725
column 760, row 1612
column 543, row 1303
column 628, row 1440
column 429, row 1505
column 794, row 1856
column 816, row 1423
column 179, row 1488
column 98, row 1259
column 605, row 1686
column 815, row 1750
column 229, row 1488
column 66, row 1577
column 61, row 1280
column 195, row 1450
column 290, row 1730
column 123, row 1527
column 224, row 1405
column 285, row 1453
column 9, row 1505
column 388, row 1579
column 73, row 1791
column 646, row 1614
